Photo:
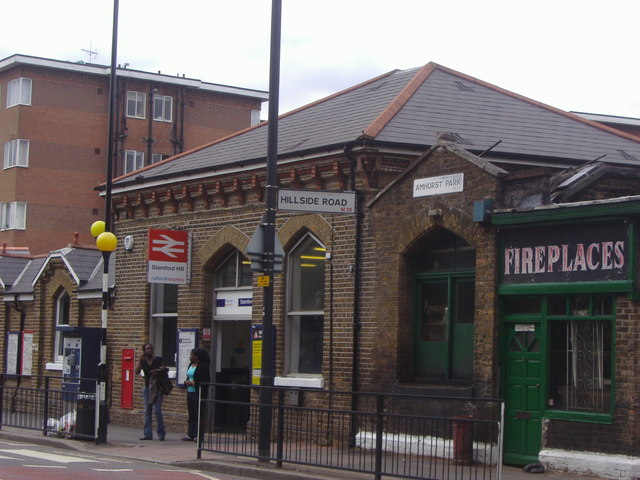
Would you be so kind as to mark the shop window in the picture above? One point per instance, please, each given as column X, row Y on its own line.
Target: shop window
column 305, row 316
column 162, row 108
column 19, row 92
column 62, row 309
column 580, row 353
column 135, row 104
column 16, row 153
column 164, row 321
column 234, row 272
column 523, row 305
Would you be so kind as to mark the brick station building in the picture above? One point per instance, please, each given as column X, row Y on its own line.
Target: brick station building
column 490, row 251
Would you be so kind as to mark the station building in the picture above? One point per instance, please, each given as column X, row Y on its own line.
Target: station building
column 440, row 236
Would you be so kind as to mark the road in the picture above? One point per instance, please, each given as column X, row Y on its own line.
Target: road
column 24, row 461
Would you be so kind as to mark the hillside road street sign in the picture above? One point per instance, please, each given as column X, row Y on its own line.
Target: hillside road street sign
column 319, row 201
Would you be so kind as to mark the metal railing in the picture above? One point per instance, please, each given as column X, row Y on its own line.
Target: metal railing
column 55, row 405
column 396, row 435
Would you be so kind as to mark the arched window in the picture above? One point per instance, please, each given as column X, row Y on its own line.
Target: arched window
column 62, row 308
column 305, row 314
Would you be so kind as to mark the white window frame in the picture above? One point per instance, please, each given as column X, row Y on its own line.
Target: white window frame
column 294, row 317
column 163, row 108
column 62, row 319
column 133, row 160
column 255, row 117
column 161, row 314
column 13, row 216
column 136, row 102
column 19, row 92
column 16, row 153
column 158, row 157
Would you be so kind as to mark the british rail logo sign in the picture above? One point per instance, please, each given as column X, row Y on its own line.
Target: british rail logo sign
column 169, row 257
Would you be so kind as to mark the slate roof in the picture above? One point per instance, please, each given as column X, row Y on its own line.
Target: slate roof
column 84, row 264
column 409, row 109
column 24, row 284
column 10, row 269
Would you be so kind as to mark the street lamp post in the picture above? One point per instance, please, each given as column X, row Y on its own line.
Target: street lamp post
column 106, row 243
column 105, row 240
column 266, row 374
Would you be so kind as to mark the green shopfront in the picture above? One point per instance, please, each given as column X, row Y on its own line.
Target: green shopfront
column 566, row 275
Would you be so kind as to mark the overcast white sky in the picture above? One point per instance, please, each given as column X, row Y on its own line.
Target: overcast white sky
column 580, row 55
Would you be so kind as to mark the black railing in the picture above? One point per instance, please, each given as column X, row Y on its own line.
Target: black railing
column 55, row 405
column 404, row 436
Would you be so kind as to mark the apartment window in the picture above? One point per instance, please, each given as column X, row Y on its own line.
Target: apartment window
column 158, row 157
column 13, row 216
column 164, row 321
column 135, row 104
column 305, row 316
column 16, row 153
column 19, row 92
column 133, row 160
column 162, row 108
column 62, row 308
column 255, row 117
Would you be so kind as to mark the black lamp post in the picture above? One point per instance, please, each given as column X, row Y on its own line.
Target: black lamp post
column 266, row 375
column 105, row 240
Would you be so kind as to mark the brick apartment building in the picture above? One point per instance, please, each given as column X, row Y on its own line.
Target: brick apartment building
column 476, row 243
column 53, row 129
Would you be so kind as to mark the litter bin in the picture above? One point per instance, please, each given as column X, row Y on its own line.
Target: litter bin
column 86, row 414
column 463, row 440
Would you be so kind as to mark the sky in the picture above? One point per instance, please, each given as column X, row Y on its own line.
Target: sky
column 576, row 55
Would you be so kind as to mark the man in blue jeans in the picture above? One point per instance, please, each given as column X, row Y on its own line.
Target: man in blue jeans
column 152, row 367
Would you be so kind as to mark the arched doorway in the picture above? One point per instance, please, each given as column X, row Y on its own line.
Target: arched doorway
column 233, row 298
column 443, row 299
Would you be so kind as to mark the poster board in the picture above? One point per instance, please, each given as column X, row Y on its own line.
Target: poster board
column 27, row 353
column 187, row 339
column 12, row 352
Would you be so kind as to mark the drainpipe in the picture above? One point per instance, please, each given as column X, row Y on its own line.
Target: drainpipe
column 356, row 294
column 183, row 94
column 150, row 137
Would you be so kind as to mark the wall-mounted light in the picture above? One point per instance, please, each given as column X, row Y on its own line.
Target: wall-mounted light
column 128, row 243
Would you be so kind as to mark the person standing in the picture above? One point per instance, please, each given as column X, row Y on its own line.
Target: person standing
column 197, row 374
column 153, row 368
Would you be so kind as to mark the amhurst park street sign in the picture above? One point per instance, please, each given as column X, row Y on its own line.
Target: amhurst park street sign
column 319, row 201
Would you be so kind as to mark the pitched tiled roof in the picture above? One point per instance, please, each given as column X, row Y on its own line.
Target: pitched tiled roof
column 410, row 108
column 10, row 269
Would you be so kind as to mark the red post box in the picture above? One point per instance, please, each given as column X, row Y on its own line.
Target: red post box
column 128, row 364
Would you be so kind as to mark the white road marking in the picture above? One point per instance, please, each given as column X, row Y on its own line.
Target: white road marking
column 112, row 469
column 204, row 475
column 2, row 457
column 46, row 456
column 45, row 466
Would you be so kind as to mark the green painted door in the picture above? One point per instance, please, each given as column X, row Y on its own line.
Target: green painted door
column 523, row 393
column 443, row 328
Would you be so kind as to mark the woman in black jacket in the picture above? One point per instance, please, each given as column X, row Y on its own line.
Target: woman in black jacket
column 197, row 374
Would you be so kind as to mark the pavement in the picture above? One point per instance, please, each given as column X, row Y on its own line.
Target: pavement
column 123, row 441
